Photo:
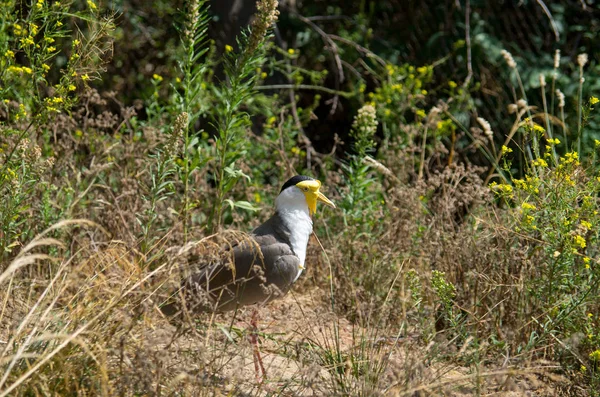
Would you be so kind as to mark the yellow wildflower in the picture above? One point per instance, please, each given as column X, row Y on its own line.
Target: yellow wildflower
column 539, row 163
column 27, row 41
column 505, row 149
column 9, row 54
column 84, row 77
column 538, row 128
column 595, row 355
column 527, row 206
column 390, row 69
column 580, row 241
column 51, row 49
column 263, row 75
column 92, row 5
column 49, row 40
column 501, row 188
column 18, row 29
column 71, row 87
column 421, row 113
column 157, row 77
column 452, row 84
column 554, row 141
column 594, row 100
column 228, row 48
column 586, row 225
column 291, row 51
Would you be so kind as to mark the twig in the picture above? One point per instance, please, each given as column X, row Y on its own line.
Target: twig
column 468, row 43
column 339, row 77
column 549, row 14
column 305, row 87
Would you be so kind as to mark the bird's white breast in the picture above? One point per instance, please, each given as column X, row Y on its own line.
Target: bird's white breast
column 299, row 224
column 293, row 211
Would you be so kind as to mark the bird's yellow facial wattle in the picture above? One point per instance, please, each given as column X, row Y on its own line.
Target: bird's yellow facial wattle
column 311, row 191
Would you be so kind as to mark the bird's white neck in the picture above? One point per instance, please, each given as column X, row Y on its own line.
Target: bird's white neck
column 297, row 220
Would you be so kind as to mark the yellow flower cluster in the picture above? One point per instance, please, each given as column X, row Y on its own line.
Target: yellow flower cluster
column 52, row 104
column 595, row 355
column 27, row 41
column 20, row 69
column 538, row 128
column 570, row 158
column 527, row 206
column 502, row 188
column 579, row 241
column 553, row 141
column 529, row 185
column 594, row 100
column 539, row 163
column 19, row 30
column 505, row 149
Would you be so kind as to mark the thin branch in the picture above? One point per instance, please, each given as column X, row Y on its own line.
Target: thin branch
column 468, row 43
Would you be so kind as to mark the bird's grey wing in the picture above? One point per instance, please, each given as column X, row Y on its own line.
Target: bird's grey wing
column 257, row 270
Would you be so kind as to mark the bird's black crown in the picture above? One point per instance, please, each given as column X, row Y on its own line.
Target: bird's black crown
column 293, row 181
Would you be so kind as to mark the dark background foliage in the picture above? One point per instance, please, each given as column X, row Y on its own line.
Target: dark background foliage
column 413, row 32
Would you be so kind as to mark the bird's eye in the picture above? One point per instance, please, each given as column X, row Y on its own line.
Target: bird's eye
column 305, row 189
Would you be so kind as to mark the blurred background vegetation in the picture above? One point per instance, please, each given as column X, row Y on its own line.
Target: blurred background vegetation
column 459, row 139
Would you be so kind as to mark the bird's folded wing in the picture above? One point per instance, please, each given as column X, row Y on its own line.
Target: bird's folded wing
column 256, row 270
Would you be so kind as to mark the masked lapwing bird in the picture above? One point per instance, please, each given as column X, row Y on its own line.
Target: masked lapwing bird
column 263, row 266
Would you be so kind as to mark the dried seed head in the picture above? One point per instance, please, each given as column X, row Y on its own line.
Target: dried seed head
column 193, row 14
column 561, row 98
column 366, row 120
column 542, row 80
column 556, row 59
column 487, row 129
column 512, row 108
column 266, row 16
column 510, row 61
column 582, row 59
column 522, row 103
column 175, row 142
column 23, row 145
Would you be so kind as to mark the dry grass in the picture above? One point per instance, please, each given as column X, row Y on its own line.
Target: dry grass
column 87, row 323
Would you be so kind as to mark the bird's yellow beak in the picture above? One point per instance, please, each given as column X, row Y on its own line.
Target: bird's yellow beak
column 312, row 193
